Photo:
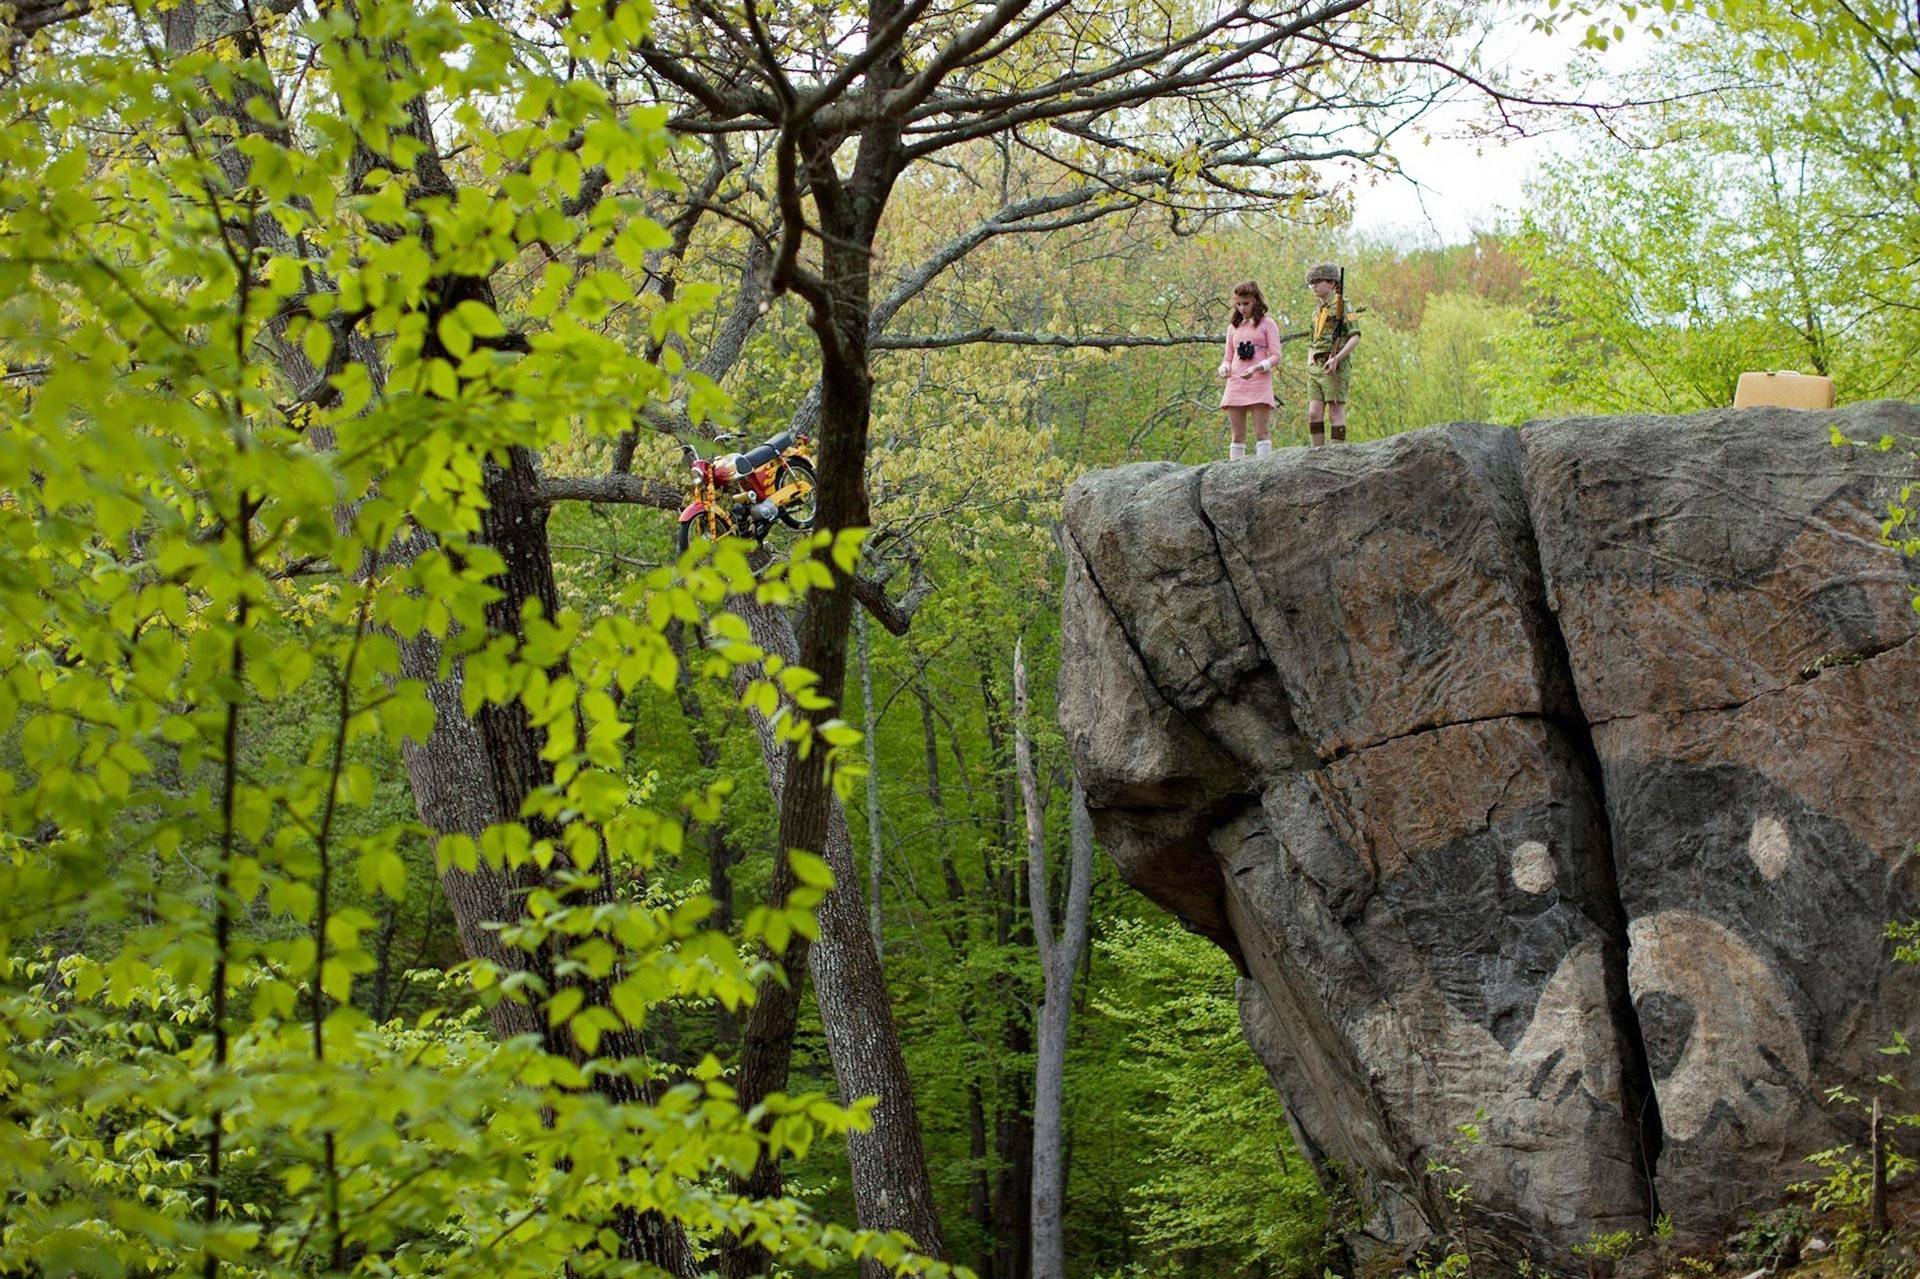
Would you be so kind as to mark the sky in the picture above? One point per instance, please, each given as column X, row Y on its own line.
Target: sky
column 1467, row 184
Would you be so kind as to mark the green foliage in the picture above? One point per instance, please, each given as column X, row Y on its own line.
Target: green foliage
column 265, row 375
column 1438, row 371
column 1451, row 1266
column 1772, row 1238
column 1450, row 1177
column 1217, row 1187
column 451, row 1153
column 1609, row 1246
column 1901, row 531
column 1845, row 1186
column 267, row 412
column 1753, row 222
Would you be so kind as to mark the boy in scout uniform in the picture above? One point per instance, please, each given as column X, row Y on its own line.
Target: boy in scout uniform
column 1329, row 343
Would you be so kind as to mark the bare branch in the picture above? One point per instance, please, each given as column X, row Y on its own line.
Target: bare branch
column 1082, row 94
column 879, row 44
column 627, row 490
column 29, row 16
column 749, row 304
column 1014, row 337
column 1501, row 98
column 719, row 103
column 963, row 48
column 895, row 615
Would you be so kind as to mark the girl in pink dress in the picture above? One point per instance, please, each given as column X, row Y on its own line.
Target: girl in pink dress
column 1253, row 348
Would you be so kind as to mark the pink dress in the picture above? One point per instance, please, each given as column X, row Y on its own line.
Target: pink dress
column 1257, row 389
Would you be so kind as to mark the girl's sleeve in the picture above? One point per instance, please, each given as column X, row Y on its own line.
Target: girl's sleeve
column 1273, row 339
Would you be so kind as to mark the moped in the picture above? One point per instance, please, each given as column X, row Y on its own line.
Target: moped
column 744, row 494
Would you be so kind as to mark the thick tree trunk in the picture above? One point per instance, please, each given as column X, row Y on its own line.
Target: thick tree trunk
column 1049, row 1169
column 453, row 793
column 891, row 1188
column 515, row 525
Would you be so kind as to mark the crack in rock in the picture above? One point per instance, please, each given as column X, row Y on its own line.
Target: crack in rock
column 1505, row 802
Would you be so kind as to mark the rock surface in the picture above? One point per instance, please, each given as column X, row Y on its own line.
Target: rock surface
column 1564, row 778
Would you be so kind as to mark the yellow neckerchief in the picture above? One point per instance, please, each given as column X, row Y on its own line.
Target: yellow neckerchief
column 1337, row 304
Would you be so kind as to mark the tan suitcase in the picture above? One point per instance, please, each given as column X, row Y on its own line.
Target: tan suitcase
column 1783, row 390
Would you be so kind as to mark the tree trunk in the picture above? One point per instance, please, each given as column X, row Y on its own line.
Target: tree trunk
column 453, row 793
column 382, row 996
column 514, row 524
column 892, row 1190
column 722, row 853
column 1013, row 1184
column 979, row 1185
column 872, row 726
column 1058, row 960
column 1013, row 1130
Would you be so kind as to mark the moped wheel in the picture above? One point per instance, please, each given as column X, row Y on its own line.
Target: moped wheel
column 713, row 524
column 799, row 513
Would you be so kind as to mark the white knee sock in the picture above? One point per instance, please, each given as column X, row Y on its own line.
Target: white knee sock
column 1262, row 446
column 1236, row 450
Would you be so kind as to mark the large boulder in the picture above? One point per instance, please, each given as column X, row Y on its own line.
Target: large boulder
column 1744, row 650
column 1552, row 788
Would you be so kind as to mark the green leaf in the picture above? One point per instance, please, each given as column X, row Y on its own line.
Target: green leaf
column 809, row 869
column 479, row 319
column 456, row 337
column 564, row 1004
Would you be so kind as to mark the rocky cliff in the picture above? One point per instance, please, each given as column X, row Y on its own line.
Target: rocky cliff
column 1563, row 777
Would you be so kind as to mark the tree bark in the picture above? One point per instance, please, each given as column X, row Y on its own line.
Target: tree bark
column 722, row 852
column 891, row 1188
column 1058, row 960
column 872, row 727
column 514, row 524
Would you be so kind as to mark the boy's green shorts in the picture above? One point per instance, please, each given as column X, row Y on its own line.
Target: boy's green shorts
column 1328, row 387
